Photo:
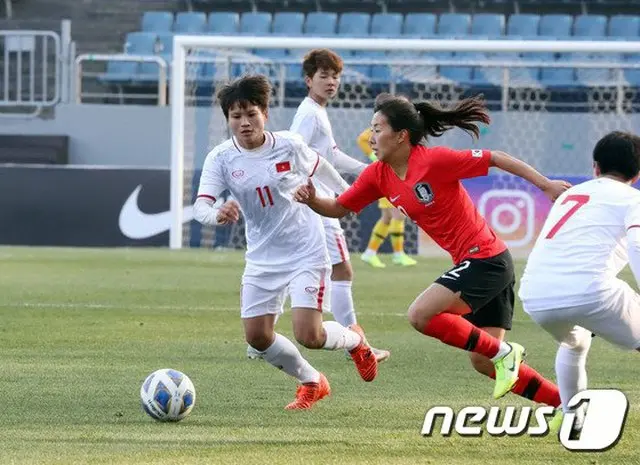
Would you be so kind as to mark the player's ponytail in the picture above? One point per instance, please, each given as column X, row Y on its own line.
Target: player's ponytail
column 423, row 119
column 464, row 115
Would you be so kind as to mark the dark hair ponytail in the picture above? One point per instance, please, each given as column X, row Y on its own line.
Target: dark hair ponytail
column 464, row 115
column 423, row 119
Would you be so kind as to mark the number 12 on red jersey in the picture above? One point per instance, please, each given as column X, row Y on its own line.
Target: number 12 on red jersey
column 580, row 200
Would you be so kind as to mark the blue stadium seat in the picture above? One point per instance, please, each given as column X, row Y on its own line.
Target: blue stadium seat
column 595, row 75
column 255, row 23
column 157, row 21
column 163, row 48
column 453, row 24
column 321, row 24
column 223, row 23
column 460, row 74
column 136, row 43
column 487, row 25
column 386, row 24
column 632, row 76
column 288, row 23
column 419, row 25
column 377, row 73
column 558, row 26
column 269, row 56
column 190, row 22
column 556, row 77
column 523, row 25
column 624, row 26
column 354, row 24
column 590, row 26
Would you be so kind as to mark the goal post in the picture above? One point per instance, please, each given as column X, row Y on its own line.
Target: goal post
column 186, row 46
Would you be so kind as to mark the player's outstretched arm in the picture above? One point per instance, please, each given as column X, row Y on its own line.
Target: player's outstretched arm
column 346, row 164
column 323, row 206
column 330, row 177
column 504, row 161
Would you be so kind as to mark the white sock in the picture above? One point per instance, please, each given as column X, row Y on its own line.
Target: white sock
column 339, row 337
column 284, row 355
column 504, row 349
column 369, row 253
column 571, row 374
column 342, row 303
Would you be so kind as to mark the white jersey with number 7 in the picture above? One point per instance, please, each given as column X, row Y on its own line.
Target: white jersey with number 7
column 582, row 246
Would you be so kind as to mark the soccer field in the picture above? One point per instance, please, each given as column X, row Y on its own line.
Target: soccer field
column 81, row 329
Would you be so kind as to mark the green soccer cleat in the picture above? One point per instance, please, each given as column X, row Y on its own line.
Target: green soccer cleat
column 556, row 421
column 507, row 368
column 404, row 260
column 372, row 260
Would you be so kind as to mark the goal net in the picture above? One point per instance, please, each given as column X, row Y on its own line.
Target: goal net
column 550, row 102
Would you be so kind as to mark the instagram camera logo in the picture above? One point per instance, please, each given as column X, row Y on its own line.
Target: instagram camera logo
column 510, row 213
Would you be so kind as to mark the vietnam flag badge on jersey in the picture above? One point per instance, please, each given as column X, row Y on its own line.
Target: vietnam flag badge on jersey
column 283, row 166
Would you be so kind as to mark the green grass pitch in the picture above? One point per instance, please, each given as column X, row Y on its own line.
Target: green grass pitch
column 81, row 329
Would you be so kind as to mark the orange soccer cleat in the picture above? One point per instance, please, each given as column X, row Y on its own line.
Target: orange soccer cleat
column 363, row 357
column 310, row 393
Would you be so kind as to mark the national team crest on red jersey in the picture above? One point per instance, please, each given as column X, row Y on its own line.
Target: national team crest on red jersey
column 424, row 193
column 283, row 166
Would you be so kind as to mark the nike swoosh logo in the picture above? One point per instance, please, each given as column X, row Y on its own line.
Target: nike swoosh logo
column 393, row 199
column 136, row 224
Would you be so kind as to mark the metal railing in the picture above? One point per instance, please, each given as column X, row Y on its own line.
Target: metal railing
column 81, row 74
column 30, row 71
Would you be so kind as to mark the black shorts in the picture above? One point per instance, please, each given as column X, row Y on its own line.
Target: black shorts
column 487, row 286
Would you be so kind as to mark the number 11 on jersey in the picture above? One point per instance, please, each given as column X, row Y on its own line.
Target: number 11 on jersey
column 264, row 194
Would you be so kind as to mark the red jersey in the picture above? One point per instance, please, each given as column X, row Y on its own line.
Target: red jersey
column 433, row 197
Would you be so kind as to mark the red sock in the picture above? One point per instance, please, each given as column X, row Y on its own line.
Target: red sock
column 533, row 386
column 456, row 331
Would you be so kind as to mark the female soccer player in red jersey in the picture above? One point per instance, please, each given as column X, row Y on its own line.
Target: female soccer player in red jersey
column 424, row 183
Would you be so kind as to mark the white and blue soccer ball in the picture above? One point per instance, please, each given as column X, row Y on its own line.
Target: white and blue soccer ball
column 168, row 395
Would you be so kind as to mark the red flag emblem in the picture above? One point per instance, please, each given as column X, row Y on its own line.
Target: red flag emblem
column 283, row 166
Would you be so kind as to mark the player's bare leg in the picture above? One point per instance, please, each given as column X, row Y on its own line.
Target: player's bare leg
column 311, row 332
column 282, row 354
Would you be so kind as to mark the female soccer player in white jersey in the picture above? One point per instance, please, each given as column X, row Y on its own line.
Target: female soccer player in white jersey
column 322, row 69
column 286, row 249
column 570, row 285
column 470, row 306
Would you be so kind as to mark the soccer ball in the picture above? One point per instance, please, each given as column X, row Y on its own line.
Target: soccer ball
column 167, row 395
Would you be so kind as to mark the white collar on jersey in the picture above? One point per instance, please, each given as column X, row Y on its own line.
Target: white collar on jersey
column 269, row 140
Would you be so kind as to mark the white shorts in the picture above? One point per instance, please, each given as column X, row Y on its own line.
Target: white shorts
column 265, row 294
column 615, row 319
column 336, row 245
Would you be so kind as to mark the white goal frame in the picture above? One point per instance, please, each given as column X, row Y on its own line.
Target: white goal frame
column 181, row 43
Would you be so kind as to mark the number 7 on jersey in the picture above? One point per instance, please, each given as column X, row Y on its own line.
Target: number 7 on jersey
column 579, row 200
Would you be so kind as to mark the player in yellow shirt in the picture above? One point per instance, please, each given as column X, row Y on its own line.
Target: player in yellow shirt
column 391, row 222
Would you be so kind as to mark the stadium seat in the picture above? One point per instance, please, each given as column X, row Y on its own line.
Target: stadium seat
column 164, row 48
column 354, row 24
column 460, row 74
column 590, row 26
column 377, row 73
column 157, row 21
column 631, row 75
column 321, row 24
column 487, row 25
column 136, row 43
column 265, row 63
column 523, row 25
column 624, row 26
column 255, row 23
column 595, row 75
column 555, row 26
column 419, row 25
column 386, row 24
column 223, row 22
column 288, row 23
column 556, row 77
column 453, row 24
column 190, row 22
